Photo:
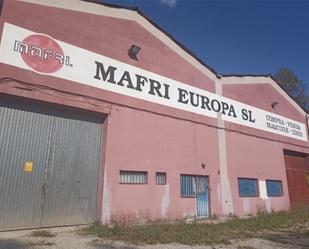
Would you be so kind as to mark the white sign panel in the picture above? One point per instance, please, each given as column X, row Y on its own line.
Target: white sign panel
column 44, row 55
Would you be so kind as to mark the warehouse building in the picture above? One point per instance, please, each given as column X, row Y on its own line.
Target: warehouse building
column 103, row 115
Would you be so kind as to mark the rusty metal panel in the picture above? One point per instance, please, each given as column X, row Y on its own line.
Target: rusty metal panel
column 49, row 161
column 297, row 171
column 24, row 138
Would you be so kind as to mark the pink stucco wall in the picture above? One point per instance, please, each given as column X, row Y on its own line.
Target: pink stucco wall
column 249, row 157
column 142, row 141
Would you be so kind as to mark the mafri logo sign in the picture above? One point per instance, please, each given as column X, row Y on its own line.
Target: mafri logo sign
column 42, row 54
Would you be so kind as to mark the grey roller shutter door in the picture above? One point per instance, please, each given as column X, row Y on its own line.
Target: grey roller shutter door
column 64, row 147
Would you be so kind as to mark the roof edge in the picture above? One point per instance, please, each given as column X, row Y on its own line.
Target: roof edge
column 141, row 13
column 269, row 76
column 113, row 5
column 293, row 98
column 245, row 75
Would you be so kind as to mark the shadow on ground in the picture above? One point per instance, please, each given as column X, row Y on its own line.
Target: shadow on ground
column 293, row 239
column 11, row 244
column 98, row 245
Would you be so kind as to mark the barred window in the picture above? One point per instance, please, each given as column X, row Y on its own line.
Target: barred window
column 274, row 188
column 133, row 177
column 247, row 187
column 187, row 186
column 161, row 178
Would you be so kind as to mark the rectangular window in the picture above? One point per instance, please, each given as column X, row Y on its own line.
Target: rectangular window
column 161, row 178
column 187, row 186
column 274, row 188
column 133, row 177
column 247, row 187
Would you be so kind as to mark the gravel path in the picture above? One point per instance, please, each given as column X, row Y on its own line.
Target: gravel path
column 68, row 238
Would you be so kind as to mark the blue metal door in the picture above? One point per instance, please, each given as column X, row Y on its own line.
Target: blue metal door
column 201, row 183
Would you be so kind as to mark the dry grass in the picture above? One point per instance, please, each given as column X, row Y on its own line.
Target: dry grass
column 201, row 233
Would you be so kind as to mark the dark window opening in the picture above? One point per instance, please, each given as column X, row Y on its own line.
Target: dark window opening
column 274, row 188
column 247, row 187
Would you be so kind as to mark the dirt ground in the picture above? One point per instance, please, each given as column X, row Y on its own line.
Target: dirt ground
column 70, row 238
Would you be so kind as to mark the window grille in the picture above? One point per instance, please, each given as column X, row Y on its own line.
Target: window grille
column 133, row 177
column 160, row 178
column 187, row 186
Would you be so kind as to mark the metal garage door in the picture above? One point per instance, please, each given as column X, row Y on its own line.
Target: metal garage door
column 49, row 160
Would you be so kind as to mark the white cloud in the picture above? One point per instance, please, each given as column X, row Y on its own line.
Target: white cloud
column 169, row 3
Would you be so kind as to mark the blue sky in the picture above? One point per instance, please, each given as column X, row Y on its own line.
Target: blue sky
column 237, row 37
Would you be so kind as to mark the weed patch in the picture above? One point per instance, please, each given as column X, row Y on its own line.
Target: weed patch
column 42, row 233
column 201, row 233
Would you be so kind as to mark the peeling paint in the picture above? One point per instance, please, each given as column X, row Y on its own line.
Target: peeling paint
column 268, row 205
column 226, row 194
column 188, row 214
column 263, row 190
column 219, row 192
column 246, row 205
column 165, row 200
column 106, row 200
